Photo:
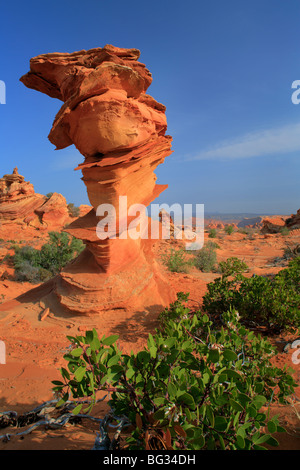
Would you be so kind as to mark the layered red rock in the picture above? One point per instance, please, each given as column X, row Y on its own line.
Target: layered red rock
column 293, row 222
column 273, row 224
column 20, row 203
column 120, row 131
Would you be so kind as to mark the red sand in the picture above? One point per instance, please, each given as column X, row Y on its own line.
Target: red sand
column 35, row 348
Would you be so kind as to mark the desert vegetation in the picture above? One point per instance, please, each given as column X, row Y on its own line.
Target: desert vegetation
column 273, row 302
column 36, row 266
column 198, row 384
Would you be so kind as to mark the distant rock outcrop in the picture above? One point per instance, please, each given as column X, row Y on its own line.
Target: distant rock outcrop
column 21, row 204
column 293, row 222
column 273, row 224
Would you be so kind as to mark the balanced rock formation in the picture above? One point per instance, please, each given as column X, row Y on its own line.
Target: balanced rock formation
column 19, row 203
column 120, row 131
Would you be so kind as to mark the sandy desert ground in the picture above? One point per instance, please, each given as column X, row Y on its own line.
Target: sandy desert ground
column 35, row 348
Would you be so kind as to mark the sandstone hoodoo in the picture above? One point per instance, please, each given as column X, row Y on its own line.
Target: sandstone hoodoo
column 19, row 203
column 120, row 131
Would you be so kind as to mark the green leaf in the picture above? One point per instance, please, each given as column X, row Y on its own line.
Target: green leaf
column 235, row 405
column 77, row 409
column 240, row 441
column 159, row 414
column 57, row 382
column 130, row 373
column 172, row 390
column 153, row 351
column 220, row 423
column 210, row 415
column 187, row 399
column 110, row 340
column 229, row 355
column 213, row 355
column 271, row 427
column 143, row 357
column 232, row 374
column 63, row 400
column 259, row 401
column 198, row 443
column 113, row 360
column 260, row 439
column 77, row 352
column 272, row 441
column 79, row 373
column 65, row 373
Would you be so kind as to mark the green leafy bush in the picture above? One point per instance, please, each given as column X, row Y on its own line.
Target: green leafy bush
column 194, row 386
column 206, row 258
column 271, row 302
column 40, row 265
column 232, row 266
column 177, row 260
column 212, row 233
column 229, row 229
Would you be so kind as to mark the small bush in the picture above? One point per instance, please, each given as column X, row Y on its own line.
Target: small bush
column 284, row 231
column 177, row 261
column 229, row 229
column 212, row 233
column 73, row 210
column 39, row 265
column 194, row 386
column 206, row 258
column 232, row 266
column 274, row 303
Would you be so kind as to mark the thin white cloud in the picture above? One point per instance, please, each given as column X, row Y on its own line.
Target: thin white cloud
column 280, row 140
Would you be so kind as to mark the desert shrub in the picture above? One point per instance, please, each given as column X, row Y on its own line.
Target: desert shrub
column 39, row 265
column 284, row 231
column 229, row 229
column 192, row 387
column 177, row 260
column 48, row 195
column 232, row 266
column 206, row 258
column 212, row 233
column 274, row 303
column 73, row 210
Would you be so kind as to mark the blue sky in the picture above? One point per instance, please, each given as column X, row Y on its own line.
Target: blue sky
column 224, row 70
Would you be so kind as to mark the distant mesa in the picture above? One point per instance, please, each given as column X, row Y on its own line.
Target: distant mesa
column 19, row 203
column 251, row 222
